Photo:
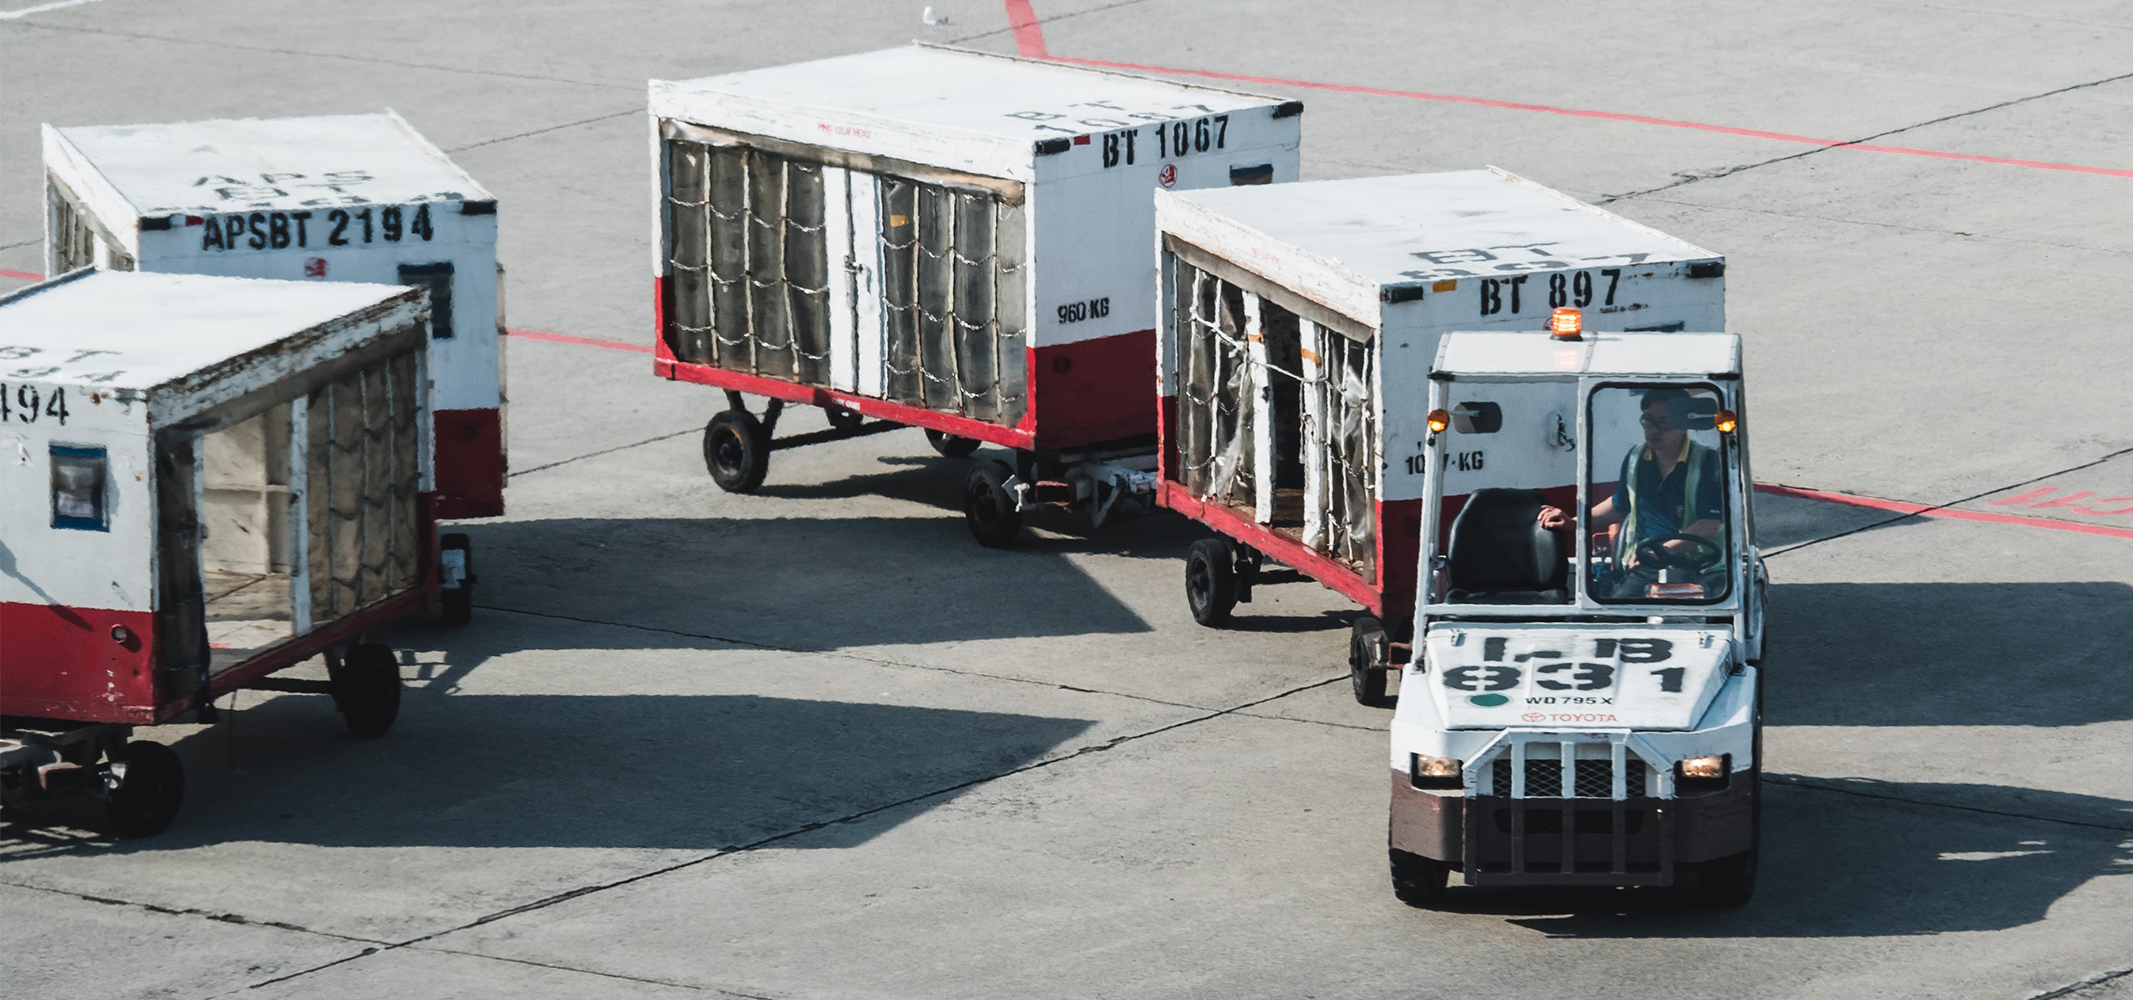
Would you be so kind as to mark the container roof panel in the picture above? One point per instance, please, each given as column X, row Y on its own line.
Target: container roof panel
column 1426, row 227
column 112, row 330
column 972, row 92
column 1627, row 354
column 274, row 163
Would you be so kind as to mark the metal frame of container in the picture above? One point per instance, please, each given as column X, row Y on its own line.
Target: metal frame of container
column 338, row 197
column 936, row 238
column 239, row 476
column 1319, row 307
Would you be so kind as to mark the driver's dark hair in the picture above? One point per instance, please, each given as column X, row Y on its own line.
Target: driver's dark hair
column 1659, row 397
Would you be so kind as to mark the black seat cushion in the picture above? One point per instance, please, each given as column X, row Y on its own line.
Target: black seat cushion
column 1499, row 553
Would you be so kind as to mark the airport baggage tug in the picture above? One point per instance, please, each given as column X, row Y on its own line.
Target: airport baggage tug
column 207, row 480
column 944, row 239
column 1297, row 330
column 334, row 198
column 1583, row 706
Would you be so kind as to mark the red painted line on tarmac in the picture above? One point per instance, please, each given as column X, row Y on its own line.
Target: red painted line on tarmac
column 1029, row 42
column 564, row 338
column 21, row 276
column 1029, row 35
column 1949, row 513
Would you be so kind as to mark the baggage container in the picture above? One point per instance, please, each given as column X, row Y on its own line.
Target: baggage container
column 937, row 238
column 1298, row 326
column 335, row 198
column 207, row 480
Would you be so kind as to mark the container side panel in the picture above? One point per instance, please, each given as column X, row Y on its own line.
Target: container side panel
column 837, row 243
column 806, row 271
column 899, row 296
column 729, row 259
column 688, row 226
column 869, row 295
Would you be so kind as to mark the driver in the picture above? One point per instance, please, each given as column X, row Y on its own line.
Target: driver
column 1669, row 485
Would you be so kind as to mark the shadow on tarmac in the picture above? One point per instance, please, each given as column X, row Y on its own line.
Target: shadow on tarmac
column 1860, row 863
column 794, row 583
column 1948, row 654
column 676, row 772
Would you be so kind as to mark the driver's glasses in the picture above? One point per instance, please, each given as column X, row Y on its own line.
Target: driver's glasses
column 1667, row 538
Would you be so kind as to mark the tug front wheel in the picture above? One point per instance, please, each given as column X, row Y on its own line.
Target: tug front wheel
column 366, row 689
column 150, row 786
column 1368, row 652
column 736, row 451
column 1211, row 581
column 1418, row 881
column 989, row 505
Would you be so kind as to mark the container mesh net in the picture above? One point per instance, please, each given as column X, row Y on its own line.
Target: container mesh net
column 364, row 476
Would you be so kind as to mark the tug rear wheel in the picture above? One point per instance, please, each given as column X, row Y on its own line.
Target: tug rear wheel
column 1367, row 646
column 949, row 445
column 1418, row 881
column 736, row 451
column 989, row 505
column 366, row 689
column 1211, row 581
column 149, row 793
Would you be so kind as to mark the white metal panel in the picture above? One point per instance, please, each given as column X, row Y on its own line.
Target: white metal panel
column 1322, row 279
column 1314, row 432
column 101, row 199
column 1262, row 413
column 869, row 325
column 837, row 249
column 957, row 109
column 1432, row 227
column 1490, row 353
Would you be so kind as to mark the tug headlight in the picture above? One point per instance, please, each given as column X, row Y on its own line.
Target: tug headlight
column 1426, row 771
column 1704, row 767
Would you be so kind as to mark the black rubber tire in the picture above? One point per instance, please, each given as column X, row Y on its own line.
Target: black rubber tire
column 1366, row 639
column 1211, row 581
column 457, row 603
column 949, row 445
column 988, row 507
column 843, row 419
column 1418, row 881
column 1728, row 882
column 736, row 451
column 147, row 799
column 366, row 689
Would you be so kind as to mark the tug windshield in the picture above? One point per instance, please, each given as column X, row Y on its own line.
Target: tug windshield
column 1660, row 523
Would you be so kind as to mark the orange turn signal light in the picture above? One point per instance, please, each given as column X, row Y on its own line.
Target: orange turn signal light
column 1438, row 421
column 1566, row 324
column 1725, row 421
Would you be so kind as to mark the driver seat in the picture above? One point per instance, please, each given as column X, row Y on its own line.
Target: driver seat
column 1499, row 553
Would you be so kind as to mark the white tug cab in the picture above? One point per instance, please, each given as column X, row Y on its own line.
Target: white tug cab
column 1583, row 703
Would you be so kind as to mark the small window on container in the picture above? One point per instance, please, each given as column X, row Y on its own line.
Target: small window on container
column 438, row 278
column 1260, row 174
column 78, row 489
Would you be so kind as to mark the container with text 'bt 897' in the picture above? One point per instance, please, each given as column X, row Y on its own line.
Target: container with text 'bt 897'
column 334, row 198
column 950, row 240
column 207, row 480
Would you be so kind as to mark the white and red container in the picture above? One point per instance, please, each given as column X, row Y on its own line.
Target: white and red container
column 206, row 480
column 336, row 198
column 1298, row 327
column 938, row 238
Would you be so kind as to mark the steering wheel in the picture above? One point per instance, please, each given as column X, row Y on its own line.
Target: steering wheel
column 1704, row 554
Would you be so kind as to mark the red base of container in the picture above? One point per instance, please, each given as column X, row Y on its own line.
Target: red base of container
column 470, row 463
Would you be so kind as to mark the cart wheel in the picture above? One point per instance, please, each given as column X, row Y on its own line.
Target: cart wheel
column 843, row 419
column 366, row 689
column 458, row 602
column 1367, row 645
column 1728, row 882
column 1211, row 581
column 988, row 505
column 1418, row 881
column 737, row 451
column 950, row 445
column 147, row 798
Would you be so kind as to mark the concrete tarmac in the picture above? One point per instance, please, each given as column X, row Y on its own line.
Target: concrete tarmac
column 814, row 742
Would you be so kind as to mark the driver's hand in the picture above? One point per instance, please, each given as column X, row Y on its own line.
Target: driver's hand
column 1553, row 518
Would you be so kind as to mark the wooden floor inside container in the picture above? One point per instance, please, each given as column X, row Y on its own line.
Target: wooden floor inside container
column 246, row 612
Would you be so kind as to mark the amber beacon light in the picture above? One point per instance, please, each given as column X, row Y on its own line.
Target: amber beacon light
column 1438, row 421
column 1725, row 421
column 1566, row 324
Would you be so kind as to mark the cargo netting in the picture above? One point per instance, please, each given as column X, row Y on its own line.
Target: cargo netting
column 1226, row 388
column 751, row 237
column 364, row 472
